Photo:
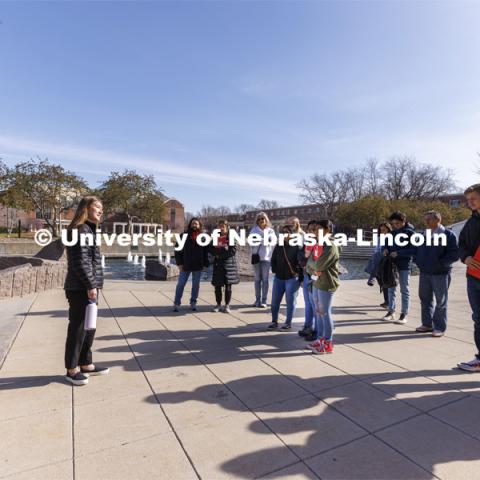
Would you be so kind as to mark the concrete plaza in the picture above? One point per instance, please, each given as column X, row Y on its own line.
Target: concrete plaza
column 210, row 395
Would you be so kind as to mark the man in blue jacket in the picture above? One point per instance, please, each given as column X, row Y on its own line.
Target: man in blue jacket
column 402, row 255
column 435, row 264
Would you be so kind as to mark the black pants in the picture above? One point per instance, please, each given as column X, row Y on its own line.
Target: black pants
column 79, row 342
column 228, row 294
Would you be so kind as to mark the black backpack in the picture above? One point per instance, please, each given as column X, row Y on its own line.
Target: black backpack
column 387, row 273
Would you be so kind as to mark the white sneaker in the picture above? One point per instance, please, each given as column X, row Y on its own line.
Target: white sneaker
column 471, row 366
column 263, row 305
column 402, row 320
column 216, row 308
column 438, row 333
column 227, row 309
column 389, row 317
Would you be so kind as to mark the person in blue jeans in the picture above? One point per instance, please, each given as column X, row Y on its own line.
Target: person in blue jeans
column 469, row 243
column 402, row 255
column 324, row 273
column 435, row 264
column 264, row 252
column 308, row 332
column 192, row 259
column 287, row 270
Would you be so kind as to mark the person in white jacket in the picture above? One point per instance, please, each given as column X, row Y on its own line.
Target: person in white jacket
column 261, row 257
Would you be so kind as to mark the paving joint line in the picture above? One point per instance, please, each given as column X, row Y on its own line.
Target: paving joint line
column 229, row 389
column 151, row 387
column 17, row 333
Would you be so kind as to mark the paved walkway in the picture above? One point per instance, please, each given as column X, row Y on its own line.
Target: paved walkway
column 210, row 395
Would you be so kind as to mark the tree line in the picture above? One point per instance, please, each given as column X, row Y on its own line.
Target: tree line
column 364, row 196
column 50, row 190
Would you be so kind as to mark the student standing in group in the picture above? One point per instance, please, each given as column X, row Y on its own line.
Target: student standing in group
column 192, row 259
column 294, row 222
column 402, row 257
column 308, row 331
column 225, row 268
column 374, row 261
column 288, row 272
column 435, row 264
column 82, row 283
column 261, row 256
column 325, row 276
column 469, row 242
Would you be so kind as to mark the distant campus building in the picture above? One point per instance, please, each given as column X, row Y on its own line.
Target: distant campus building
column 277, row 215
column 305, row 213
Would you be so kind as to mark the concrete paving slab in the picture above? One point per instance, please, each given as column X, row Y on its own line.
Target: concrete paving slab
column 308, row 426
column 159, row 457
column 55, row 471
column 299, row 471
column 120, row 423
column 437, row 447
column 367, row 406
column 464, row 415
column 35, row 441
column 230, row 449
column 366, row 459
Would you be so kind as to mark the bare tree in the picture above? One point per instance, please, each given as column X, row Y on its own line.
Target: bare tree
column 244, row 208
column 328, row 190
column 397, row 179
column 188, row 217
column 405, row 178
column 373, row 177
column 265, row 204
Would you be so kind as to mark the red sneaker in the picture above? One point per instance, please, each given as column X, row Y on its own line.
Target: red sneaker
column 319, row 349
column 315, row 344
column 328, row 346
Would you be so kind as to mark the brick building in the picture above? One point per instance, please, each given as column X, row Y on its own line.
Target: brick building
column 278, row 215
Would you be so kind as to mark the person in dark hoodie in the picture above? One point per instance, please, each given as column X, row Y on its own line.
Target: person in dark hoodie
column 288, row 273
column 469, row 242
column 402, row 256
column 435, row 264
column 192, row 259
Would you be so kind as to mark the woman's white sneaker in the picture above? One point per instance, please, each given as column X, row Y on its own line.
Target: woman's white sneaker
column 389, row 317
column 471, row 366
column 77, row 379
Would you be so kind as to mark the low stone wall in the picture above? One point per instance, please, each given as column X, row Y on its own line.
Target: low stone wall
column 20, row 276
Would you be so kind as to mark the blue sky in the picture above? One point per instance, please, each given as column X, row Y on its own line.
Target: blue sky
column 230, row 102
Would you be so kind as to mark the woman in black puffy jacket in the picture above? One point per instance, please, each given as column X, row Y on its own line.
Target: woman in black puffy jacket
column 84, row 279
column 225, row 268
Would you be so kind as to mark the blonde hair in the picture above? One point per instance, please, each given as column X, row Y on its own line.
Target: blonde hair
column 81, row 215
column 297, row 228
column 262, row 215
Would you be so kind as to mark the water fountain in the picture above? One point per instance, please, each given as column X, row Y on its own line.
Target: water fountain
column 135, row 259
column 160, row 256
column 167, row 258
column 144, row 261
column 103, row 261
column 129, row 257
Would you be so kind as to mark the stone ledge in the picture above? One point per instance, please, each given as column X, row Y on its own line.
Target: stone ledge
column 20, row 276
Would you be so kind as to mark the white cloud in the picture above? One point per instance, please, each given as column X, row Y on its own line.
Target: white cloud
column 165, row 170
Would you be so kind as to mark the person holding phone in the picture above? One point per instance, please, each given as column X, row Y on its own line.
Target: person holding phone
column 82, row 283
